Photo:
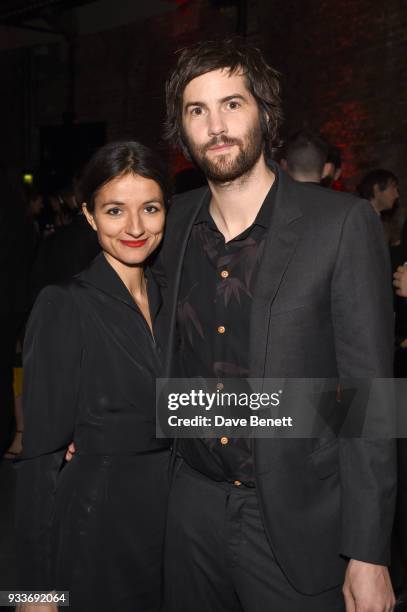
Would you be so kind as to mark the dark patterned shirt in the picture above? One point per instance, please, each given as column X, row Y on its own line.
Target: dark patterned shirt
column 215, row 299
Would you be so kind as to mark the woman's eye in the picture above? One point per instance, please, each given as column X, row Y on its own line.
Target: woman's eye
column 151, row 209
column 233, row 105
column 196, row 111
column 114, row 212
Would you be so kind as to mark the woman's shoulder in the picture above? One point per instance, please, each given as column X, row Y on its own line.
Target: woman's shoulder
column 59, row 292
column 57, row 300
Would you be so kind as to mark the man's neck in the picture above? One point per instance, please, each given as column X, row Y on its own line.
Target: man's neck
column 376, row 206
column 306, row 178
column 234, row 205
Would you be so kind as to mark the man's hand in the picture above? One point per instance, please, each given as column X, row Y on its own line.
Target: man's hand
column 70, row 452
column 367, row 588
column 400, row 281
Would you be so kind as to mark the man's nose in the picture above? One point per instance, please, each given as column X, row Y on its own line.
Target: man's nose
column 216, row 124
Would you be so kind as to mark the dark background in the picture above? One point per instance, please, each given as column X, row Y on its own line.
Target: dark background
column 75, row 74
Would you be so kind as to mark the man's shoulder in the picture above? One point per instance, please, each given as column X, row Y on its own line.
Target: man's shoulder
column 188, row 199
column 324, row 202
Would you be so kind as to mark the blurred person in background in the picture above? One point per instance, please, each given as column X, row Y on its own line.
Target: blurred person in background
column 67, row 251
column 381, row 188
column 304, row 157
column 58, row 214
column 333, row 168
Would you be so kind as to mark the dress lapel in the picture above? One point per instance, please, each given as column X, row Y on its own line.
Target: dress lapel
column 102, row 276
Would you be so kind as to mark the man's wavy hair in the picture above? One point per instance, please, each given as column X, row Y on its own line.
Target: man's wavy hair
column 237, row 57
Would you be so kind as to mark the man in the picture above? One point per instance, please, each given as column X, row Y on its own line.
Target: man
column 305, row 157
column 380, row 187
column 267, row 277
column 217, row 112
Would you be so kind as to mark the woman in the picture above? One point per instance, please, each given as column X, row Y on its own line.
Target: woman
column 94, row 526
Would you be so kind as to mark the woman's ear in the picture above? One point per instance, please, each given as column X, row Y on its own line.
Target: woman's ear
column 89, row 216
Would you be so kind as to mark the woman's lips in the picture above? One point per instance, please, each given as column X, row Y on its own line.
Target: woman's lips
column 134, row 244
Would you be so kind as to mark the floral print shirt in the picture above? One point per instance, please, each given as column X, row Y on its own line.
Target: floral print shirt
column 214, row 304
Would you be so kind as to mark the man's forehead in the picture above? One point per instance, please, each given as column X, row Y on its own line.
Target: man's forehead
column 223, row 81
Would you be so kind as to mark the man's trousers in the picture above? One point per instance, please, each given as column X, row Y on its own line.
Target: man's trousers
column 218, row 558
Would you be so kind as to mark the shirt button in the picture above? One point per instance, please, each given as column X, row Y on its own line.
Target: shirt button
column 220, row 386
column 221, row 329
column 224, row 440
column 224, row 274
column 237, row 483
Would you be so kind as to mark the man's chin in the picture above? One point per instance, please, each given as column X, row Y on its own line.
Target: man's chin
column 221, row 172
column 223, row 177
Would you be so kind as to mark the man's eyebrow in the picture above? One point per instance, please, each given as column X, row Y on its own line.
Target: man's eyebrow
column 222, row 100
column 197, row 103
column 233, row 97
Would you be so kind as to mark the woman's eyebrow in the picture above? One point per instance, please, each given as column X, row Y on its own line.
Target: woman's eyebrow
column 110, row 202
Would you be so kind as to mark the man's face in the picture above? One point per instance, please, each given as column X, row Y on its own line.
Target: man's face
column 387, row 198
column 221, row 124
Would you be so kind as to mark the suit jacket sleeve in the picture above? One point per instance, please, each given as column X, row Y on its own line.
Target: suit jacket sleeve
column 51, row 362
column 363, row 325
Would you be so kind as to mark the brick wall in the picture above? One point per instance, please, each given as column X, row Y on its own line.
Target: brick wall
column 344, row 71
column 344, row 68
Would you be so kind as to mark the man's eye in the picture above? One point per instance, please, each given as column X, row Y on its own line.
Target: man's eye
column 114, row 212
column 233, row 105
column 196, row 111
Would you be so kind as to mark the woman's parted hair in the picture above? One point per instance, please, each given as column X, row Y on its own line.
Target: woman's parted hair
column 236, row 56
column 118, row 159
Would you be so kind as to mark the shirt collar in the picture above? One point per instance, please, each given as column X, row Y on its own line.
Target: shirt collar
column 263, row 216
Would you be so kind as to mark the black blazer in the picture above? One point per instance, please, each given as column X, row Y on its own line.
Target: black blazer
column 322, row 308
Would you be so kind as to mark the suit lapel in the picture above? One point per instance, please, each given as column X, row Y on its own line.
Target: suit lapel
column 177, row 235
column 280, row 246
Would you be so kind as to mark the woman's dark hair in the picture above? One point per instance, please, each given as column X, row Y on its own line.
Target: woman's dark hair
column 236, row 56
column 118, row 159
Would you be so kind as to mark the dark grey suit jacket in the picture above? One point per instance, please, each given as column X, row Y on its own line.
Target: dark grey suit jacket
column 322, row 308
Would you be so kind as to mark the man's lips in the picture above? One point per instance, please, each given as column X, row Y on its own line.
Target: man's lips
column 220, row 147
column 134, row 244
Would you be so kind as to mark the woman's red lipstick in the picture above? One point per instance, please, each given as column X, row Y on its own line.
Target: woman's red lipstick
column 134, row 244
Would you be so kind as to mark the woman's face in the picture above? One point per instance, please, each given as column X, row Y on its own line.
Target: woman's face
column 129, row 217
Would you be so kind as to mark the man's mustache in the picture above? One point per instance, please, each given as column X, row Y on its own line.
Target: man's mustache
column 220, row 140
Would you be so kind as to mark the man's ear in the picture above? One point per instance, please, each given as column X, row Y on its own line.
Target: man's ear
column 376, row 190
column 89, row 216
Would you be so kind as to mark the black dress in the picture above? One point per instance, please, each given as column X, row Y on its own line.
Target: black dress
column 93, row 526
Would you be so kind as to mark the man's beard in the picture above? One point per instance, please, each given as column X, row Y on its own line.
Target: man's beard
column 222, row 169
